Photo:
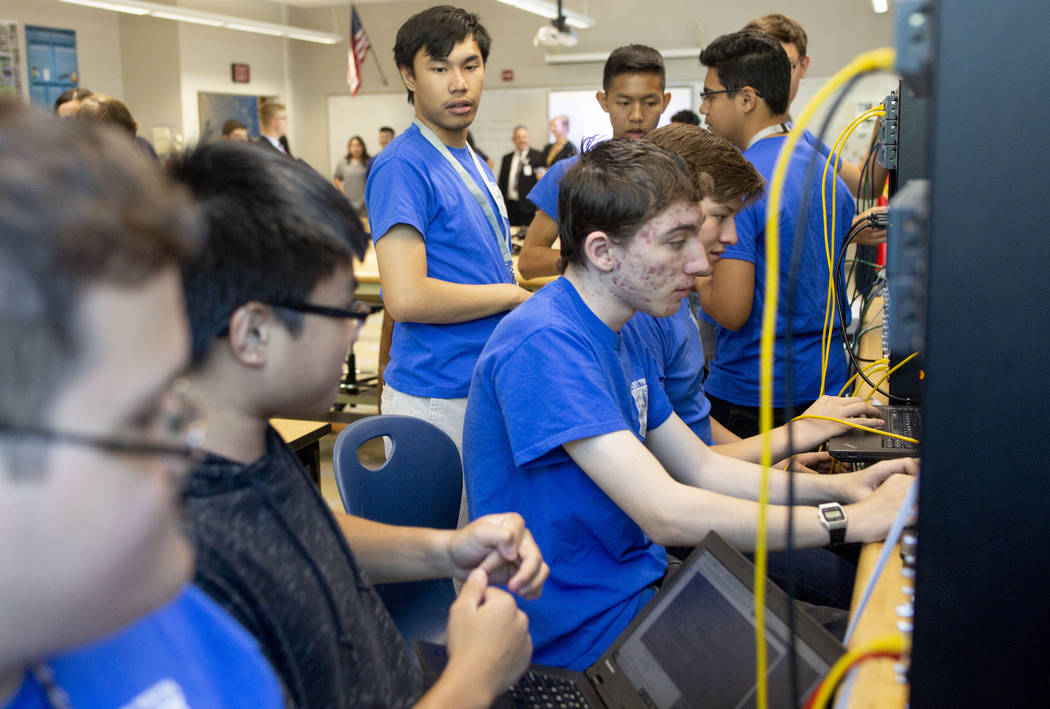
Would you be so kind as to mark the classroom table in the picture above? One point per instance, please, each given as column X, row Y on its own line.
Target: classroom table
column 304, row 437
column 875, row 684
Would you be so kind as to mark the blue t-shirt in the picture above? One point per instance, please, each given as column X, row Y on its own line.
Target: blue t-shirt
column 545, row 194
column 187, row 653
column 553, row 373
column 734, row 369
column 674, row 344
column 811, row 140
column 409, row 182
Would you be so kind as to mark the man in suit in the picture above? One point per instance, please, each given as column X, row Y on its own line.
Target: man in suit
column 517, row 175
column 273, row 117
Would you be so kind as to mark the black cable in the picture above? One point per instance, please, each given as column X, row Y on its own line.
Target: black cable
column 796, row 258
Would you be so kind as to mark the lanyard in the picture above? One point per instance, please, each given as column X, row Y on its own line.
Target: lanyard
column 500, row 230
column 775, row 129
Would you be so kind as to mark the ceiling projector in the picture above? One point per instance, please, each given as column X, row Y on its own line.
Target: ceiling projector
column 553, row 35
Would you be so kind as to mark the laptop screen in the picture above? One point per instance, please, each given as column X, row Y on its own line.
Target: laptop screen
column 695, row 646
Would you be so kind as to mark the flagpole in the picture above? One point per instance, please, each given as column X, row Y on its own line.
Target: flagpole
column 379, row 65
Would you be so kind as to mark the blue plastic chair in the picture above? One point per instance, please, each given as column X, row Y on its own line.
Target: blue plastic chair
column 419, row 486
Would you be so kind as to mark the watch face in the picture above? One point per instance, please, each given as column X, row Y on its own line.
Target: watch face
column 834, row 514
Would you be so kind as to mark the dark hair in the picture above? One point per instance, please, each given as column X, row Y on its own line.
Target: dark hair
column 387, row 129
column 364, row 148
column 686, row 116
column 615, row 187
column 232, row 124
column 633, row 59
column 783, row 28
column 734, row 181
column 80, row 206
column 273, row 227
column 755, row 59
column 106, row 109
column 70, row 95
column 436, row 31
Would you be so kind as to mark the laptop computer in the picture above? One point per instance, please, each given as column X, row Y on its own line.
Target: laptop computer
column 861, row 446
column 693, row 645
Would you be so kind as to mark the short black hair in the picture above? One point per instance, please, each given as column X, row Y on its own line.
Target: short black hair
column 436, row 31
column 752, row 58
column 633, row 59
column 70, row 95
column 615, row 187
column 274, row 229
column 387, row 129
column 686, row 116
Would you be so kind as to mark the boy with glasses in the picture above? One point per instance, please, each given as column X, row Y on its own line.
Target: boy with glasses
column 272, row 315
column 96, row 437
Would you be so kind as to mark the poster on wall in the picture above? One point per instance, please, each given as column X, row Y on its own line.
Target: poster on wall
column 10, row 60
column 51, row 57
column 214, row 109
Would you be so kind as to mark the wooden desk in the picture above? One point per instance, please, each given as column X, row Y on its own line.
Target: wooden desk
column 875, row 684
column 304, row 437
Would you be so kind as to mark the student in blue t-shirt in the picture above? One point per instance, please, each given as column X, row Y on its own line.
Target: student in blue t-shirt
column 439, row 224
column 745, row 93
column 634, row 95
column 568, row 425
column 96, row 436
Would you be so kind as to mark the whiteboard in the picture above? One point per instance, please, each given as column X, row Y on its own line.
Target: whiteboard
column 500, row 111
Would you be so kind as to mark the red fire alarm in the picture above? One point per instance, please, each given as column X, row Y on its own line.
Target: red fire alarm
column 507, row 75
column 242, row 73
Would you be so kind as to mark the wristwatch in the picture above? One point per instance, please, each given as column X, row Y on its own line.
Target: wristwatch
column 833, row 517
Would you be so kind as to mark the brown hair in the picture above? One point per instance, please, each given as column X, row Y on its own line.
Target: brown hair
column 734, row 181
column 80, row 206
column 783, row 28
column 106, row 109
column 616, row 187
column 268, row 110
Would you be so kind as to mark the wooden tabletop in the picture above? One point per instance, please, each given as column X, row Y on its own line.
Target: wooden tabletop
column 299, row 434
column 875, row 684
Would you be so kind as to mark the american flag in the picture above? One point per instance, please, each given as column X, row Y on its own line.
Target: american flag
column 359, row 46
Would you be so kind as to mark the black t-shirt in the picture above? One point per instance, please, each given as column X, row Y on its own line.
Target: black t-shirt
column 271, row 553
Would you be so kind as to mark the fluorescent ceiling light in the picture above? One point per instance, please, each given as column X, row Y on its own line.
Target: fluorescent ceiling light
column 880, row 6
column 550, row 11
column 110, row 6
column 599, row 57
column 180, row 17
column 211, row 19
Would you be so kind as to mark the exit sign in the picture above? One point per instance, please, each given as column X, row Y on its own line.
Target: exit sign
column 242, row 73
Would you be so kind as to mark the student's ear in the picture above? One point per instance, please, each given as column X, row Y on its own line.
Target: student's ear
column 805, row 67
column 748, row 99
column 597, row 248
column 249, row 335
column 603, row 100
column 408, row 78
column 667, row 100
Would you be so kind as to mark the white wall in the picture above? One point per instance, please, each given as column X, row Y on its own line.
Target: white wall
column 838, row 30
column 98, row 39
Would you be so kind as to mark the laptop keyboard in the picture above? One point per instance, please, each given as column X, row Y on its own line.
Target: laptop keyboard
column 906, row 422
column 536, row 689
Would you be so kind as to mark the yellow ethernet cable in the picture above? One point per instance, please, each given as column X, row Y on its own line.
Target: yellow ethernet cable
column 876, row 60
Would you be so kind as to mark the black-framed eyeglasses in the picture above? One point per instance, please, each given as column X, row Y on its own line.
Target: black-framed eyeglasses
column 358, row 310
column 192, row 450
column 178, row 420
column 706, row 95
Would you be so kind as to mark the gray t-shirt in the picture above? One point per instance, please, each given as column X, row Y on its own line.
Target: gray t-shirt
column 353, row 177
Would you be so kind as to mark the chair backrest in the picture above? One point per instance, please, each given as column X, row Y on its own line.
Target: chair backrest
column 419, row 486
